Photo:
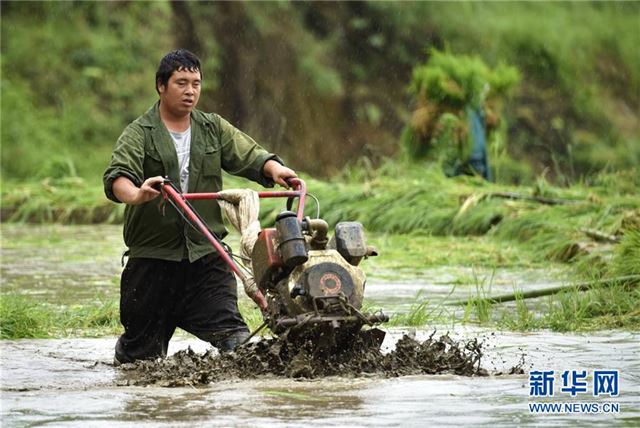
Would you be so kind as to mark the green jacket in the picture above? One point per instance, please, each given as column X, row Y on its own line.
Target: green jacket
column 145, row 149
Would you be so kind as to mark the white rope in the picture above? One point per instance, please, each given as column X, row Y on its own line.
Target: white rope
column 242, row 207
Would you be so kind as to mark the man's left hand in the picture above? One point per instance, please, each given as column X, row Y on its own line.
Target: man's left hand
column 278, row 173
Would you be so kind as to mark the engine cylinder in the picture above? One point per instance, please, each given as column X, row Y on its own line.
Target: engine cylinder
column 292, row 246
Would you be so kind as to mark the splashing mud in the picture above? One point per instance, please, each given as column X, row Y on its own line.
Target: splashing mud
column 279, row 357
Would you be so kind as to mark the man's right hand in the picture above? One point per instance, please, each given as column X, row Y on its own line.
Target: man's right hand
column 130, row 194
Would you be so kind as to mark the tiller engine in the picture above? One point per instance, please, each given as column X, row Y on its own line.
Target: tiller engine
column 309, row 285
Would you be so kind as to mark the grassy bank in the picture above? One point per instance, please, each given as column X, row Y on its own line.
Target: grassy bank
column 67, row 200
column 563, row 224
column 531, row 223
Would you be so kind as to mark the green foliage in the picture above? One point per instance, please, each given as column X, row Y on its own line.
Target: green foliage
column 419, row 314
column 596, row 309
column 323, row 78
column 447, row 90
column 478, row 308
column 21, row 317
column 67, row 199
column 601, row 307
column 626, row 259
column 98, row 319
column 398, row 198
column 506, row 169
column 572, row 105
column 458, row 81
column 330, row 78
column 73, row 75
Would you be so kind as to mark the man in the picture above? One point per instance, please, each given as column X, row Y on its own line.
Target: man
column 174, row 277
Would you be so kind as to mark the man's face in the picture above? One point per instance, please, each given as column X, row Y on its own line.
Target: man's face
column 182, row 92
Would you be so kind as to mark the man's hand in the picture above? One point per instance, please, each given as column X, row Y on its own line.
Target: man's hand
column 127, row 192
column 278, row 173
column 259, row 299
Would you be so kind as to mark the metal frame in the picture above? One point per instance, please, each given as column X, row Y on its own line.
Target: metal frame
column 300, row 192
column 169, row 190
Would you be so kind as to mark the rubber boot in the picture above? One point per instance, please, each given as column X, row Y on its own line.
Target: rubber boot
column 231, row 342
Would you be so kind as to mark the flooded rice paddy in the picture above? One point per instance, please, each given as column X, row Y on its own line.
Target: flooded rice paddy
column 72, row 382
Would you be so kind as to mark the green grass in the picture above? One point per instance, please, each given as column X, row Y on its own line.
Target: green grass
column 251, row 314
column 614, row 307
column 479, row 308
column 626, row 260
column 398, row 198
column 601, row 308
column 69, row 200
column 22, row 317
column 420, row 314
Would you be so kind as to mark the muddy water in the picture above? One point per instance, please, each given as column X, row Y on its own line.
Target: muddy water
column 61, row 264
column 444, row 283
column 72, row 382
column 76, row 264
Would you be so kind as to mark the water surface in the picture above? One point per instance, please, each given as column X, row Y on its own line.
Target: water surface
column 71, row 382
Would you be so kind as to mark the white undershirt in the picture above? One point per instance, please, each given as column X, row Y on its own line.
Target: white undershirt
column 182, row 141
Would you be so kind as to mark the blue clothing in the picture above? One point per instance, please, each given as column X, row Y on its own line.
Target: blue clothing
column 479, row 159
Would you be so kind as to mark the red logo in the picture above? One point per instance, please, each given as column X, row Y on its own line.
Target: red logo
column 330, row 284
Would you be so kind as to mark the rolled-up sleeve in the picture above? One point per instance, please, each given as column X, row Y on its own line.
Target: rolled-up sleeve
column 126, row 160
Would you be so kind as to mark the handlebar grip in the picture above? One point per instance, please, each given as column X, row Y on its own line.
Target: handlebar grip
column 166, row 182
column 294, row 182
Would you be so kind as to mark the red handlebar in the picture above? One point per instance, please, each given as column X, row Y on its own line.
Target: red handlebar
column 180, row 200
column 296, row 183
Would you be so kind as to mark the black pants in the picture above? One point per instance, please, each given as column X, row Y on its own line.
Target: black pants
column 156, row 296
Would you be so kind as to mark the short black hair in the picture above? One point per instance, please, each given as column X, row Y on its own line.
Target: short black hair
column 176, row 60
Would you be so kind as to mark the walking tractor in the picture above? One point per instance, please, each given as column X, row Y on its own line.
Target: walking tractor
column 308, row 285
